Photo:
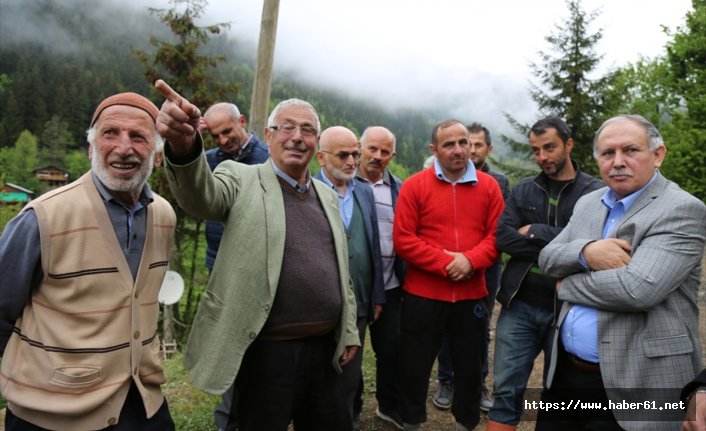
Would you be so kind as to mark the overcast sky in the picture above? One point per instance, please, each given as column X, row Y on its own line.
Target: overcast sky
column 468, row 56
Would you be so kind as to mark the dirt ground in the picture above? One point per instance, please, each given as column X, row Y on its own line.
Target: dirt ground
column 443, row 420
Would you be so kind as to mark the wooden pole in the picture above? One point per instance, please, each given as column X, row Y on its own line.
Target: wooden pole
column 260, row 102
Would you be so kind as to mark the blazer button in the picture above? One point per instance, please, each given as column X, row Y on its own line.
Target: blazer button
column 267, row 307
column 112, row 421
column 252, row 335
column 136, row 334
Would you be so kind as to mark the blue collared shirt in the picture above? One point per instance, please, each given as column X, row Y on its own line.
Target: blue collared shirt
column 301, row 188
column 579, row 331
column 345, row 202
column 469, row 176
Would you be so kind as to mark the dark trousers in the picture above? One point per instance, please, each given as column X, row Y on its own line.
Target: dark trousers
column 293, row 380
column 353, row 374
column 570, row 385
column 132, row 417
column 385, row 340
column 445, row 370
column 424, row 322
column 225, row 415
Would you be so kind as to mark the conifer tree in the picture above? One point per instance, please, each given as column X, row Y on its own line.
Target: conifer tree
column 565, row 87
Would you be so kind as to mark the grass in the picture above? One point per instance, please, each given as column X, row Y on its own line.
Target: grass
column 191, row 409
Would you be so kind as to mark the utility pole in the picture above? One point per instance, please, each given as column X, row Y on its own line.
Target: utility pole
column 260, row 102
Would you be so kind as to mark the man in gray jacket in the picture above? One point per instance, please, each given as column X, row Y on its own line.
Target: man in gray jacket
column 628, row 266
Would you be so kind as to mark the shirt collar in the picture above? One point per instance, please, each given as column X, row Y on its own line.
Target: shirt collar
column 609, row 198
column 242, row 153
column 468, row 177
column 385, row 179
column 301, row 188
column 146, row 195
column 349, row 186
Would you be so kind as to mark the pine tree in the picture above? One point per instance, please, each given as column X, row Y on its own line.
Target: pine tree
column 564, row 85
column 55, row 142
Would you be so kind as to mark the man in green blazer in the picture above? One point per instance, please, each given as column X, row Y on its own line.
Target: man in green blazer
column 278, row 317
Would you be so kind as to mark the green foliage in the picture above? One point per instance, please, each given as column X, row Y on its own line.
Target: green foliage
column 565, row 87
column 180, row 63
column 55, row 142
column 7, row 212
column 20, row 161
column 670, row 91
column 76, row 163
column 191, row 408
column 192, row 74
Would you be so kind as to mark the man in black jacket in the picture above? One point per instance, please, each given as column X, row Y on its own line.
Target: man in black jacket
column 538, row 209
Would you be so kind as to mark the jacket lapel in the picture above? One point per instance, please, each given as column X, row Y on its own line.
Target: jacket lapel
column 275, row 222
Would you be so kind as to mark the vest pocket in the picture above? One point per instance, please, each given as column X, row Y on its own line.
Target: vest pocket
column 76, row 376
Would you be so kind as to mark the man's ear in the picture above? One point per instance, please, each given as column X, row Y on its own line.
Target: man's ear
column 158, row 159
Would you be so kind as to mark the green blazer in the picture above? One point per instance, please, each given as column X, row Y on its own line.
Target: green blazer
column 243, row 284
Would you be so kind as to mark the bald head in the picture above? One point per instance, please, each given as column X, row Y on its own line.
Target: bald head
column 377, row 149
column 338, row 154
column 227, row 127
column 335, row 136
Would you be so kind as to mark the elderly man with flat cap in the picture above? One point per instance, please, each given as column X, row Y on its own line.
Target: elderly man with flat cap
column 81, row 267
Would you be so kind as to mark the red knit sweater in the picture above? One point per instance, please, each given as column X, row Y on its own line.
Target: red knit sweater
column 433, row 215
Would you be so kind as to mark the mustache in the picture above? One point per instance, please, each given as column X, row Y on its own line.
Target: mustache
column 374, row 161
column 624, row 172
column 296, row 146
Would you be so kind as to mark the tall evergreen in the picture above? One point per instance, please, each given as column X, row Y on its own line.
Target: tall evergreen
column 565, row 87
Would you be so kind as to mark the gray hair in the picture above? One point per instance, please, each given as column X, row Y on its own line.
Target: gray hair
column 158, row 140
column 654, row 138
column 229, row 108
column 371, row 129
column 292, row 102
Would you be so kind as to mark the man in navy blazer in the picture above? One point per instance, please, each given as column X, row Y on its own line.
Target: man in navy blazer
column 629, row 268
column 338, row 156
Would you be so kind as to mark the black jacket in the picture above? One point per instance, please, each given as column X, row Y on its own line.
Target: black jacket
column 529, row 204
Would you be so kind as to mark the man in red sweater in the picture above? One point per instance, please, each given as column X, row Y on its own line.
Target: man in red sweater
column 445, row 229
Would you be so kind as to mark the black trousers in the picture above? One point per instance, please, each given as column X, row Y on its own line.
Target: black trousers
column 571, row 385
column 293, row 380
column 132, row 417
column 424, row 322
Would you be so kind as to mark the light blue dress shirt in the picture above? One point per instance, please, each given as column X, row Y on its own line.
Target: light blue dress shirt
column 579, row 331
column 345, row 202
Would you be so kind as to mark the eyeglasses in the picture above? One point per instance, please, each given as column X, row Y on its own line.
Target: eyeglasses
column 344, row 155
column 288, row 129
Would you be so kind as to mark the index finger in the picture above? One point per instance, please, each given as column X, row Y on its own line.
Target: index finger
column 168, row 92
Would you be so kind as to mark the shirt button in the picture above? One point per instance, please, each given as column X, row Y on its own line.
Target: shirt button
column 252, row 335
column 136, row 334
column 136, row 294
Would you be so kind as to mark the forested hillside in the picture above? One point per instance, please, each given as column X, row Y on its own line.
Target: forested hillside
column 58, row 59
